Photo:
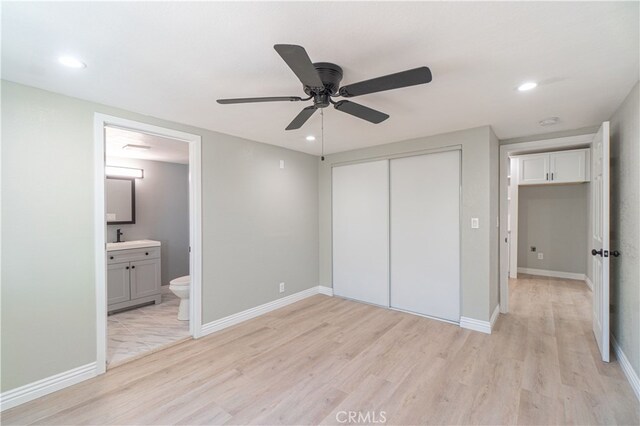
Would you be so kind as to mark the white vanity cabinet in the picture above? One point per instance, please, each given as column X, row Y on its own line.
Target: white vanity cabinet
column 133, row 276
column 554, row 167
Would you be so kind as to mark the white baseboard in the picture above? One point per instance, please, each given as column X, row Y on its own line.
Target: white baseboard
column 479, row 325
column 31, row 391
column 554, row 274
column 628, row 370
column 494, row 316
column 589, row 282
column 475, row 325
column 328, row 291
column 234, row 319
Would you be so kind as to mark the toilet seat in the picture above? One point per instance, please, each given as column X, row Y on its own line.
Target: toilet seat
column 181, row 281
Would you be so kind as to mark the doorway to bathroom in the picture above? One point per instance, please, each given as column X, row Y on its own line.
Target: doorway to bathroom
column 148, row 221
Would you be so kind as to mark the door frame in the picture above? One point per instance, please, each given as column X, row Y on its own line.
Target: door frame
column 100, row 225
column 507, row 151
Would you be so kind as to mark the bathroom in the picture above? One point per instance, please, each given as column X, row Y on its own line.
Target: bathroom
column 147, row 254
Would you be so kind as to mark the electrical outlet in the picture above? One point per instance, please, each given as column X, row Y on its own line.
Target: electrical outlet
column 282, row 164
column 540, row 256
column 475, row 223
column 281, row 287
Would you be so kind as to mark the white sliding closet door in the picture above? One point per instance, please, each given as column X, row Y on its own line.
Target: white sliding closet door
column 425, row 234
column 361, row 232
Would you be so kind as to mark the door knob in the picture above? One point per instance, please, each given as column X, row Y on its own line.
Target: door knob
column 615, row 253
column 595, row 252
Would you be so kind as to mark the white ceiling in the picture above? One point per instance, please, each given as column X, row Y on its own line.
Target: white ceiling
column 173, row 60
column 160, row 149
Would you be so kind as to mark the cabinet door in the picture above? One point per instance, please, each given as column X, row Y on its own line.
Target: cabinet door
column 145, row 278
column 568, row 166
column 534, row 169
column 118, row 283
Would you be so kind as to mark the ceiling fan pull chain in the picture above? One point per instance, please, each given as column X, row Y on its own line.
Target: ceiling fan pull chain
column 322, row 131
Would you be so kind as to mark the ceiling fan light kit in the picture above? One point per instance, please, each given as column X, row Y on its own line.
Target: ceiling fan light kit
column 321, row 83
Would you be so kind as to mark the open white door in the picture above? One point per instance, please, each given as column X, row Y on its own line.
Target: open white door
column 600, row 238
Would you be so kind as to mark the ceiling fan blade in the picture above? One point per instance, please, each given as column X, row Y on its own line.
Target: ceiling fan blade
column 361, row 111
column 300, row 63
column 267, row 99
column 388, row 82
column 301, row 118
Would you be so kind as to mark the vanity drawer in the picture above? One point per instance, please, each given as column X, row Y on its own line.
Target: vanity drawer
column 132, row 255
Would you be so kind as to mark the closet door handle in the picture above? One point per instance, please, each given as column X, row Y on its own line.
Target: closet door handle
column 615, row 253
column 547, row 178
column 595, row 252
column 551, row 175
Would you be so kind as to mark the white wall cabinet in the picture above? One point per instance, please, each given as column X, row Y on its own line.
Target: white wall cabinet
column 554, row 167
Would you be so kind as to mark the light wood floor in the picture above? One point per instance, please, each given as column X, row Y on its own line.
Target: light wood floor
column 306, row 363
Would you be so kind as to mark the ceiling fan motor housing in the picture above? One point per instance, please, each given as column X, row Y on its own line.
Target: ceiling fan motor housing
column 330, row 75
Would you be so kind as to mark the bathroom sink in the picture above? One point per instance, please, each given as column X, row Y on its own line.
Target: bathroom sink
column 132, row 245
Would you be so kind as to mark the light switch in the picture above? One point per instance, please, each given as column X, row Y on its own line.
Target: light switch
column 475, row 223
column 282, row 164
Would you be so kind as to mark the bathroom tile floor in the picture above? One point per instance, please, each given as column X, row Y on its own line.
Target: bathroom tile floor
column 146, row 329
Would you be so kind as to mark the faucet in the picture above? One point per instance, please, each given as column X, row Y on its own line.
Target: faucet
column 118, row 235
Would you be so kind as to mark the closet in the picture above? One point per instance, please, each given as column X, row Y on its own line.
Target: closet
column 396, row 233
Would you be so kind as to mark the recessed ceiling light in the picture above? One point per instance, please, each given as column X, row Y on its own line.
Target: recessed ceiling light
column 549, row 121
column 527, row 86
column 132, row 147
column 311, row 138
column 71, row 62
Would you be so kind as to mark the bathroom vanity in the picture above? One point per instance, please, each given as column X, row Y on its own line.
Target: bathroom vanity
column 133, row 274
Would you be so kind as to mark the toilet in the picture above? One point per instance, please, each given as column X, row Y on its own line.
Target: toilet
column 180, row 287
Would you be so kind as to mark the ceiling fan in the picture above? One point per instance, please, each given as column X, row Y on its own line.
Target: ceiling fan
column 321, row 82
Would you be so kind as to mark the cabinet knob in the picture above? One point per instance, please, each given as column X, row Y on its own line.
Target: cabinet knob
column 133, row 267
column 146, row 254
column 111, row 257
column 126, row 267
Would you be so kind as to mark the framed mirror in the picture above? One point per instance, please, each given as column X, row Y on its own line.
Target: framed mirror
column 121, row 200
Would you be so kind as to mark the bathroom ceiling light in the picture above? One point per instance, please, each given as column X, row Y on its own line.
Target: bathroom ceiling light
column 311, row 138
column 71, row 62
column 125, row 172
column 132, row 147
column 527, row 86
column 549, row 121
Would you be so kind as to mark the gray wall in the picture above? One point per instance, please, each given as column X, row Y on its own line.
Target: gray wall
column 162, row 212
column 554, row 219
column 625, row 231
column 551, row 135
column 260, row 227
column 476, row 263
column 494, row 259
